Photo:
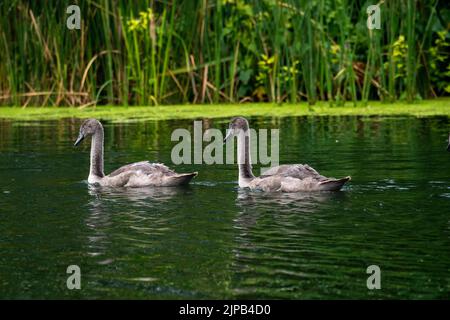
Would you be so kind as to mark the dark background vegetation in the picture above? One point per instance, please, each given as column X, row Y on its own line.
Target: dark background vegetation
column 203, row 51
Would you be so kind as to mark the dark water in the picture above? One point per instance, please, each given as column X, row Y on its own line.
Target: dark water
column 212, row 240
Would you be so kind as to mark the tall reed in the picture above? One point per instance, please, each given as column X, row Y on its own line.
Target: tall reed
column 210, row 51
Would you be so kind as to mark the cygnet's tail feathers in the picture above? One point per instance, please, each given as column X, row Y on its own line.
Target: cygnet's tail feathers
column 179, row 179
column 333, row 184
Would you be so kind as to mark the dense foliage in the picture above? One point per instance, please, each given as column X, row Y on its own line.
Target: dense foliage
column 204, row 51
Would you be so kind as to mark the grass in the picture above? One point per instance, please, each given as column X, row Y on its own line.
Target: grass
column 438, row 107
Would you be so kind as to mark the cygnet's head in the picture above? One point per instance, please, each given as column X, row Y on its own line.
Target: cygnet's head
column 88, row 128
column 237, row 124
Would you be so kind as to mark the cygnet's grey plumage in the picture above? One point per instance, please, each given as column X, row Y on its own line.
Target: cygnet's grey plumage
column 138, row 174
column 285, row 178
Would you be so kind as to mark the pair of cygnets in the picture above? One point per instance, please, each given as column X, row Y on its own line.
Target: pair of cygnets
column 284, row 178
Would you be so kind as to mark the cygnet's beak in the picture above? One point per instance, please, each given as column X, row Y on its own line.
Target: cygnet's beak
column 228, row 136
column 79, row 139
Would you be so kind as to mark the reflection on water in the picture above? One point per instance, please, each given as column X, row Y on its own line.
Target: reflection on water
column 147, row 196
column 213, row 240
column 300, row 202
column 287, row 221
column 138, row 219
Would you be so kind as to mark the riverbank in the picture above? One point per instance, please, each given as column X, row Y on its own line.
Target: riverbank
column 437, row 107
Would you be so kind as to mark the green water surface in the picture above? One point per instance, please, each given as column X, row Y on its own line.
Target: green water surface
column 213, row 240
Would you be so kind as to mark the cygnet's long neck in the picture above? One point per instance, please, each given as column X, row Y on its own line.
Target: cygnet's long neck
column 97, row 154
column 244, row 161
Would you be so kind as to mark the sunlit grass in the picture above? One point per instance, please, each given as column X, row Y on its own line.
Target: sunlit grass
column 440, row 107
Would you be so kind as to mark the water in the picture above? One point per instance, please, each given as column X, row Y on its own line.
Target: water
column 212, row 240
